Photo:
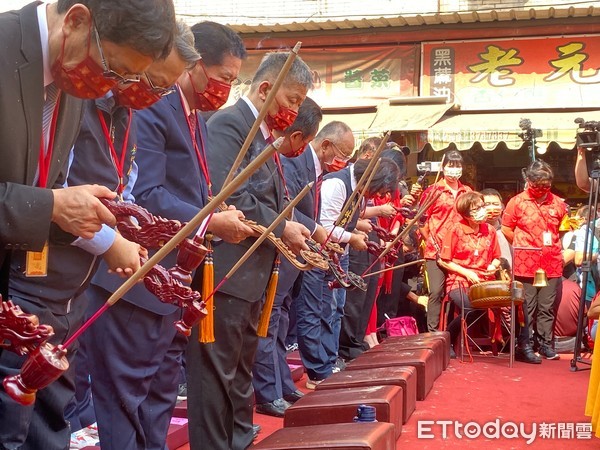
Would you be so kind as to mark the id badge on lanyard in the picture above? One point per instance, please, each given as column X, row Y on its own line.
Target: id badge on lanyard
column 36, row 264
column 547, row 239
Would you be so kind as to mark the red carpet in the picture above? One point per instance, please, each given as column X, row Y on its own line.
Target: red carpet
column 486, row 390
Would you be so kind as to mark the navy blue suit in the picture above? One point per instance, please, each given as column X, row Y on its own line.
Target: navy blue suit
column 271, row 375
column 135, row 348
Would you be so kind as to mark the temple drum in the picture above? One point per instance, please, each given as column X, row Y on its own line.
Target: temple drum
column 494, row 294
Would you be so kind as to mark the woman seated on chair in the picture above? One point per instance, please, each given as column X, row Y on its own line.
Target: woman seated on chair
column 470, row 253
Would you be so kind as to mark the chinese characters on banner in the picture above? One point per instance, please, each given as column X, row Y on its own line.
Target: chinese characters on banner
column 349, row 77
column 540, row 72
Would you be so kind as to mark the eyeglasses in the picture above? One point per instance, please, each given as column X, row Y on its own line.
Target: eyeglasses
column 474, row 209
column 108, row 72
column 160, row 91
column 341, row 155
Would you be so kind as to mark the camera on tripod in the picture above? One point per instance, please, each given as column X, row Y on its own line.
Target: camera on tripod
column 589, row 136
column 528, row 133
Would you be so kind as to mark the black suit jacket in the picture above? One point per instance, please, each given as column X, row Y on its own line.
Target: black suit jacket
column 298, row 172
column 260, row 199
column 25, row 211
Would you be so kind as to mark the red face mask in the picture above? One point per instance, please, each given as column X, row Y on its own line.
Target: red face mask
column 538, row 192
column 294, row 153
column 136, row 95
column 214, row 96
column 283, row 119
column 85, row 80
column 493, row 212
column 335, row 165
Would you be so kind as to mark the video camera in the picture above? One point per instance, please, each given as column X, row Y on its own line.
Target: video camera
column 528, row 134
column 589, row 136
column 429, row 166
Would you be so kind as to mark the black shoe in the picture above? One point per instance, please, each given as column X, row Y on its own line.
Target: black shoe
column 275, row 408
column 255, row 430
column 525, row 354
column 293, row 397
column 548, row 352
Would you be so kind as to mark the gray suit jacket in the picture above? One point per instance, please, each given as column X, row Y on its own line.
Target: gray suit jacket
column 260, row 199
column 25, row 211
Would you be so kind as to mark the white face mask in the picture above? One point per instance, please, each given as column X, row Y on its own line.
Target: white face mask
column 453, row 172
column 479, row 215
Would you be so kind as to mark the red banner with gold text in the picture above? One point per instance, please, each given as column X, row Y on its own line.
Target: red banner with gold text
column 525, row 73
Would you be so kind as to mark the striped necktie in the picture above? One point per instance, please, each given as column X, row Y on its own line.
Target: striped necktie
column 51, row 96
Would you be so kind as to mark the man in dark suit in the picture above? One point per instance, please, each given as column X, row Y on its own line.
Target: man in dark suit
column 53, row 54
column 135, row 387
column 274, row 389
column 219, row 374
column 57, row 45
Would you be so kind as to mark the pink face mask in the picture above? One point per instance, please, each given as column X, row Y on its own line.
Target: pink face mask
column 85, row 80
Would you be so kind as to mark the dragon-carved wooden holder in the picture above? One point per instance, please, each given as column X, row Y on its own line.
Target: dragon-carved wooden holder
column 23, row 334
column 168, row 285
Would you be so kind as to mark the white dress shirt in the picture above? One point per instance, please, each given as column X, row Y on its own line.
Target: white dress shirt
column 333, row 196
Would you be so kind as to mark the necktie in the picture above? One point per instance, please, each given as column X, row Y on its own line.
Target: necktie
column 318, row 196
column 52, row 93
column 49, row 104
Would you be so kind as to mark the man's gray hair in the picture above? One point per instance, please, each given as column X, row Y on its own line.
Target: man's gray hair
column 184, row 44
column 271, row 65
column 333, row 131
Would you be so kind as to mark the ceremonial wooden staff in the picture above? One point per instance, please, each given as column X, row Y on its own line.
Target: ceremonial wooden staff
column 48, row 362
column 399, row 266
column 256, row 125
column 282, row 216
column 422, row 210
column 206, row 328
column 185, row 231
column 437, row 176
column 359, row 185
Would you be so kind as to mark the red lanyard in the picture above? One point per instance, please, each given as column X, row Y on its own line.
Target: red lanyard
column 119, row 163
column 542, row 215
column 201, row 155
column 280, row 170
column 45, row 156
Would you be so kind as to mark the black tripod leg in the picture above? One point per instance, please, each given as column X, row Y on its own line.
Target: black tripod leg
column 586, row 267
